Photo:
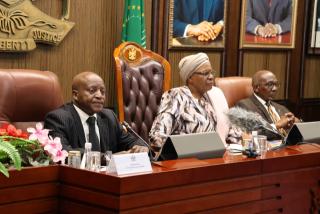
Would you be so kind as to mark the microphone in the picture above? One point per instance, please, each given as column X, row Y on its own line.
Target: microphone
column 250, row 121
column 127, row 127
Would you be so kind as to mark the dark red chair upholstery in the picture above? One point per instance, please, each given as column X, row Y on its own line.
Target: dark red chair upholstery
column 142, row 77
column 234, row 88
column 27, row 95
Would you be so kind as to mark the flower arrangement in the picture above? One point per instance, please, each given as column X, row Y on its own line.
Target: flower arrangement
column 35, row 148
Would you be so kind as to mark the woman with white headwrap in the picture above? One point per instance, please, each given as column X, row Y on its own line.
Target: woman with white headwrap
column 187, row 109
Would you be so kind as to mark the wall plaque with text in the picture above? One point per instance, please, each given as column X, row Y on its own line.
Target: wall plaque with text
column 22, row 25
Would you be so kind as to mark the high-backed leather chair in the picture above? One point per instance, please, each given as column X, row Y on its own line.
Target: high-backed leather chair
column 27, row 95
column 142, row 77
column 234, row 88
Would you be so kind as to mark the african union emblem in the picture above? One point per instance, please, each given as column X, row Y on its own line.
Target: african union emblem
column 22, row 25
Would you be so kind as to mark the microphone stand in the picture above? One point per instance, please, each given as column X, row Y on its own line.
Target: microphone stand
column 127, row 127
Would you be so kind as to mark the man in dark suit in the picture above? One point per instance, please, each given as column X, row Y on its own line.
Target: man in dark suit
column 199, row 18
column 265, row 86
column 268, row 18
column 71, row 123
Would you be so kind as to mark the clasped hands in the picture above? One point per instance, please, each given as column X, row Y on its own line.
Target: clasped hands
column 205, row 31
column 269, row 30
column 286, row 121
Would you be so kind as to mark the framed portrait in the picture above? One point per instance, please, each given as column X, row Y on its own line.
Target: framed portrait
column 268, row 24
column 196, row 24
column 314, row 30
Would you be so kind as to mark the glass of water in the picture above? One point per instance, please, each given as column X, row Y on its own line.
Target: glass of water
column 108, row 156
column 262, row 145
column 95, row 161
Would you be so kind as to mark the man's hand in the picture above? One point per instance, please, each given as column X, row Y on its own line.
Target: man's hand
column 286, row 121
column 204, row 29
column 217, row 28
column 137, row 149
column 272, row 30
column 267, row 31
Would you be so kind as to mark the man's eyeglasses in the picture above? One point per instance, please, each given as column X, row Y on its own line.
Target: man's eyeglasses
column 206, row 74
column 270, row 85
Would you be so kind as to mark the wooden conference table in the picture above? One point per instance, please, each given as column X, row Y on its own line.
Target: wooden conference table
column 286, row 180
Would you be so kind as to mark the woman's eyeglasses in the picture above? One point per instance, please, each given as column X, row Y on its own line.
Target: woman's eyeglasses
column 206, row 74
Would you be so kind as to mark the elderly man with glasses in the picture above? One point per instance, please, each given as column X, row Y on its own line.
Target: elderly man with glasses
column 190, row 109
column 265, row 86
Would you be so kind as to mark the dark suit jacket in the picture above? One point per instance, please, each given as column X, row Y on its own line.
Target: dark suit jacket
column 253, row 104
column 259, row 13
column 195, row 11
column 65, row 123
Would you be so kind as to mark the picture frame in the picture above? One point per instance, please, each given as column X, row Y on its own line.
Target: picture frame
column 265, row 25
column 314, row 28
column 215, row 14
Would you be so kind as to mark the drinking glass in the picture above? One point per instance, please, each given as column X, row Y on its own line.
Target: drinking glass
column 95, row 161
column 262, row 144
column 74, row 159
column 107, row 157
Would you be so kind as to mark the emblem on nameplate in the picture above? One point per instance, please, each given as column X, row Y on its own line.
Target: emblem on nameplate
column 133, row 158
column 22, row 25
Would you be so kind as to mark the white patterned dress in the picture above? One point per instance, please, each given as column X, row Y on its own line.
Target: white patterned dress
column 181, row 113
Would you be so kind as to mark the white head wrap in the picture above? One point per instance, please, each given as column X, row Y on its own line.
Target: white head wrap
column 189, row 64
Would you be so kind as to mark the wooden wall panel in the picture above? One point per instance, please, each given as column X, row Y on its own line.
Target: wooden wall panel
column 273, row 61
column 312, row 78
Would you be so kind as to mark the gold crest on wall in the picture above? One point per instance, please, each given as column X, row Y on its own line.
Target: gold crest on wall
column 22, row 25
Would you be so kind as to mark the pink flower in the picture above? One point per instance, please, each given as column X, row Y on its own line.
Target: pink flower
column 59, row 156
column 54, row 149
column 53, row 145
column 39, row 134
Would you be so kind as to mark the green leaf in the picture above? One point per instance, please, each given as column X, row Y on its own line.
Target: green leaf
column 4, row 170
column 42, row 162
column 12, row 153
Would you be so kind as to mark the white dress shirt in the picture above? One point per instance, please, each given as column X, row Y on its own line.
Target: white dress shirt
column 264, row 103
column 83, row 117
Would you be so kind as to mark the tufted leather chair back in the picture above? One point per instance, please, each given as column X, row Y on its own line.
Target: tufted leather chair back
column 234, row 88
column 27, row 95
column 142, row 77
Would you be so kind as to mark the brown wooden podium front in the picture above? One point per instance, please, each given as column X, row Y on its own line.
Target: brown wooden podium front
column 287, row 180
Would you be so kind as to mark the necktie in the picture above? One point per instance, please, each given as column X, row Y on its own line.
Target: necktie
column 269, row 2
column 93, row 138
column 274, row 118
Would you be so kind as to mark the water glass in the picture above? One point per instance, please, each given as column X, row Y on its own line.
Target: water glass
column 95, row 161
column 262, row 145
column 74, row 159
column 107, row 157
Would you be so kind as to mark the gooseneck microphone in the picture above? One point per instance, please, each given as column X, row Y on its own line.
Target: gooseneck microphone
column 127, row 127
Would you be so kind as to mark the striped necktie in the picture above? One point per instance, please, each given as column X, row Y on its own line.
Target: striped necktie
column 274, row 117
column 93, row 137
